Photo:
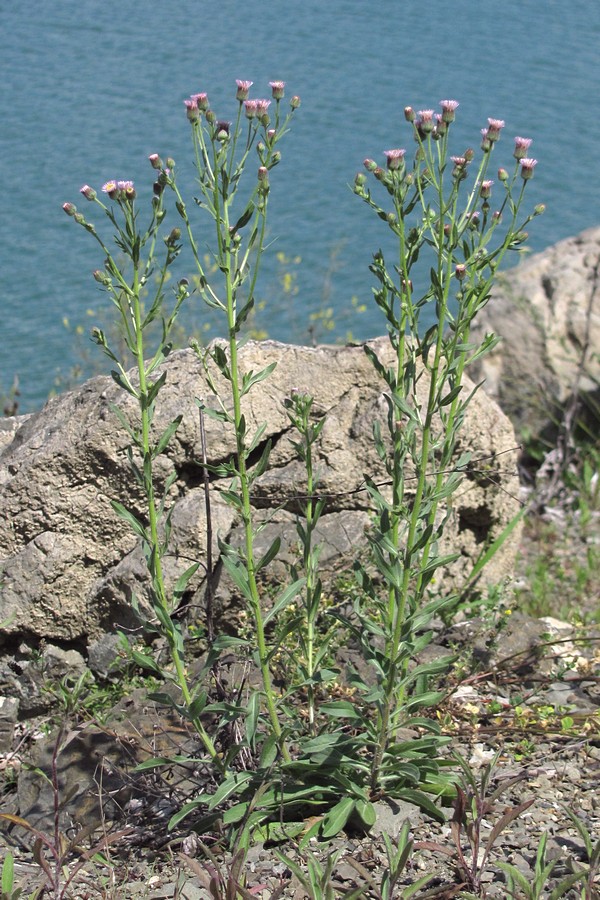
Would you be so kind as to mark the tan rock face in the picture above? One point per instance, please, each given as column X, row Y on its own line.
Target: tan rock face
column 70, row 565
column 547, row 312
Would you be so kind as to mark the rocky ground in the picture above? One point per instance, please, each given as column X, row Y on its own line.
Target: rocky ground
column 525, row 700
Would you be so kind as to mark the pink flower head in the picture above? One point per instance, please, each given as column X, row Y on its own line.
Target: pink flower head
column 250, row 107
column 191, row 106
column 449, row 108
column 262, row 108
column 69, row 208
column 522, row 146
column 278, row 88
column 486, row 144
column 243, row 88
column 460, row 167
column 494, row 128
column 394, row 158
column 119, row 190
column 527, row 167
column 486, row 189
column 201, row 101
column 88, row 192
column 111, row 189
column 425, row 121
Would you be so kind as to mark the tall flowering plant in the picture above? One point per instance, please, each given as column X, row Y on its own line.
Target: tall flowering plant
column 446, row 206
column 435, row 204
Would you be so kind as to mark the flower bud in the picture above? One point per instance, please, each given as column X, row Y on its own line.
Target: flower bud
column 210, row 117
column 101, row 277
column 263, row 179
column 486, row 144
column 469, row 154
column 173, row 237
column 88, row 192
column 409, row 114
column 360, row 179
column 460, row 271
column 527, row 167
column 395, row 158
column 391, row 218
column 522, row 146
column 69, row 208
column 223, row 131
column 449, row 108
column 425, row 121
column 201, row 101
column 192, row 111
column 155, row 161
column 170, row 162
column 539, row 209
column 277, row 87
column 494, row 128
column 295, row 102
column 486, row 189
column 243, row 87
column 370, row 165
column 276, row 158
column 502, row 175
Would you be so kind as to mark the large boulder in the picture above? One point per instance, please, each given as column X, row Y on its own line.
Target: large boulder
column 70, row 565
column 547, row 312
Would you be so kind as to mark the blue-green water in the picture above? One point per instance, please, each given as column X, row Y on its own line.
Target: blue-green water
column 89, row 89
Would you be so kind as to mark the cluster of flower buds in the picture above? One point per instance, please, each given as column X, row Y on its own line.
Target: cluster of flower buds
column 428, row 123
column 195, row 106
column 119, row 190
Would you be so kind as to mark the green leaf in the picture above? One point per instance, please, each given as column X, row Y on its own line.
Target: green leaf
column 235, row 813
column 252, row 715
column 270, row 555
column 336, row 818
column 154, row 388
column 232, row 785
column 339, row 709
column 146, row 662
column 182, row 581
column 285, row 598
column 423, row 802
column 244, row 218
column 166, row 436
column 238, row 574
column 366, row 811
column 451, row 395
column 261, row 465
column 8, row 874
column 128, row 517
column 250, row 379
column 123, row 382
column 158, row 761
column 185, row 810
column 218, row 414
